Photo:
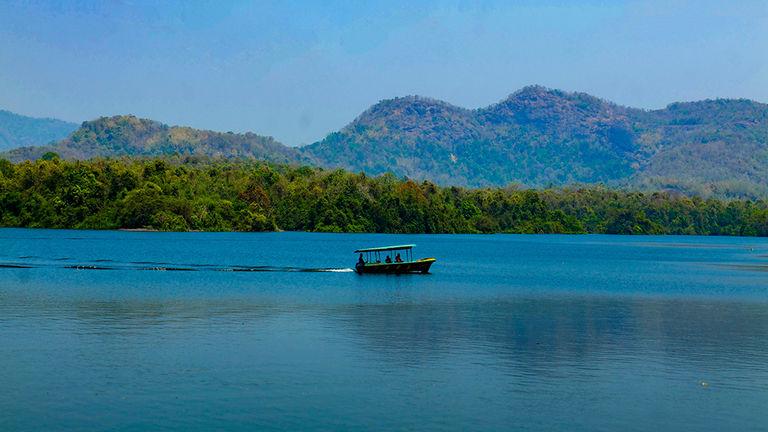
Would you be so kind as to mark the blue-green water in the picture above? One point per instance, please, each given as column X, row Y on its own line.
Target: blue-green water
column 273, row 332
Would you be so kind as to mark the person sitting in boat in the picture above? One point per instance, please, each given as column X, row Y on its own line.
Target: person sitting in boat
column 361, row 261
column 388, row 260
column 397, row 258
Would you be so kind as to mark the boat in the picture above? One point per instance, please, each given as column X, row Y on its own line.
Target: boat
column 371, row 261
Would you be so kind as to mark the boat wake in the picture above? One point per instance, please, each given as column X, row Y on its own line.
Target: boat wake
column 28, row 262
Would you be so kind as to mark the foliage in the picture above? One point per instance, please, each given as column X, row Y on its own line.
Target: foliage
column 257, row 196
column 538, row 137
column 131, row 136
column 541, row 137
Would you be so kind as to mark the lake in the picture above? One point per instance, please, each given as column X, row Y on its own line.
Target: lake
column 134, row 331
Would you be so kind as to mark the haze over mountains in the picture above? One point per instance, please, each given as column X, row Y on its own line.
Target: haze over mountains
column 536, row 137
column 18, row 130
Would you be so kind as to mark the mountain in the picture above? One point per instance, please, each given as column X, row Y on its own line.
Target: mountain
column 131, row 136
column 540, row 137
column 535, row 137
column 713, row 147
column 18, row 130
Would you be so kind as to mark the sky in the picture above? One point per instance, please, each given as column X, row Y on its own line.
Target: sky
column 298, row 70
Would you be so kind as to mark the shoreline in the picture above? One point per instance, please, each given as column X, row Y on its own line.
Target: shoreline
column 154, row 230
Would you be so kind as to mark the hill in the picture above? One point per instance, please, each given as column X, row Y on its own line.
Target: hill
column 713, row 147
column 540, row 137
column 536, row 137
column 131, row 136
column 18, row 130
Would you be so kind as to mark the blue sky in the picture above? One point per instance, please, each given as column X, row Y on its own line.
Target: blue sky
column 297, row 70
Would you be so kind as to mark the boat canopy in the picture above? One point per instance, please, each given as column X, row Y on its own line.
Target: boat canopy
column 386, row 248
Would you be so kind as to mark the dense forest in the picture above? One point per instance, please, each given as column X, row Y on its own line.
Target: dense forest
column 195, row 194
column 541, row 137
column 537, row 137
column 127, row 135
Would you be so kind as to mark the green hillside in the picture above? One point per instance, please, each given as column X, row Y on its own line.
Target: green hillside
column 540, row 137
column 714, row 147
column 537, row 137
column 130, row 136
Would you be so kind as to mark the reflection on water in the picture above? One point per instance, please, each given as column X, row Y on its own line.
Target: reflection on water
column 747, row 267
column 613, row 337
column 542, row 331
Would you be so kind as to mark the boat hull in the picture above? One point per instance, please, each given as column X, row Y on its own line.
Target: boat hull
column 420, row 266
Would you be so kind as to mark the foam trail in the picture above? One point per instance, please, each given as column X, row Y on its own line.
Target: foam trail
column 99, row 264
column 164, row 268
column 87, row 267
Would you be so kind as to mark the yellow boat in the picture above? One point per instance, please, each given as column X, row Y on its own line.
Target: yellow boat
column 370, row 260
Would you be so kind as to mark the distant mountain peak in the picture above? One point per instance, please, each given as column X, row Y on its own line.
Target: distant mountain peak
column 537, row 136
column 540, row 136
column 534, row 90
column 124, row 121
column 550, row 108
column 409, row 114
column 128, row 135
column 538, row 95
column 414, row 103
column 744, row 107
column 17, row 130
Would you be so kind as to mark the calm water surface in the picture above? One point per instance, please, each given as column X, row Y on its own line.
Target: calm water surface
column 205, row 331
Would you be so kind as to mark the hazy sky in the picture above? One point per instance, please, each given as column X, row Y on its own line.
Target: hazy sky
column 298, row 70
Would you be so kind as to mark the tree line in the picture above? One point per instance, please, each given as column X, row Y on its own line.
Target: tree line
column 208, row 195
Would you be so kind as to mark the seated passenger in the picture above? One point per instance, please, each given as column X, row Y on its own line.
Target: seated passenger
column 361, row 260
column 397, row 258
column 388, row 260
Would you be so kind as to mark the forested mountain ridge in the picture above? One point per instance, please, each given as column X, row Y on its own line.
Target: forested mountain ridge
column 410, row 136
column 131, row 136
column 18, row 130
column 712, row 147
column 536, row 137
column 539, row 137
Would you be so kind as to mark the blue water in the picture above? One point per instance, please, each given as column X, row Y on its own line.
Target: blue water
column 133, row 331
